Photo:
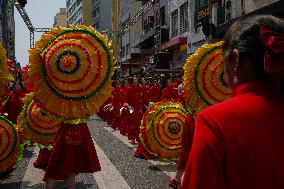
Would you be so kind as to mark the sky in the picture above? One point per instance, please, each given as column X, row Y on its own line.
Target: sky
column 41, row 14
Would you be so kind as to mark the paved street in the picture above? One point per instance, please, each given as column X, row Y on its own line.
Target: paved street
column 120, row 170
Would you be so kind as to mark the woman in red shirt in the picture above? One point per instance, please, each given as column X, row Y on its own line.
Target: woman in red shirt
column 238, row 144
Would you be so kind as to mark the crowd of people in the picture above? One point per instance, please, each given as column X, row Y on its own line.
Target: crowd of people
column 132, row 94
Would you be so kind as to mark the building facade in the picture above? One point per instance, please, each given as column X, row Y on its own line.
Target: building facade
column 102, row 15
column 146, row 42
column 124, row 37
column 61, row 18
column 116, row 27
column 179, row 30
column 79, row 12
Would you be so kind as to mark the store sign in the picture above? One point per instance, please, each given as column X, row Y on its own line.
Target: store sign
column 203, row 12
column 195, row 41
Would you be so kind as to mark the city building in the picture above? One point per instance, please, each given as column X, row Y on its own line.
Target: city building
column 79, row 12
column 102, row 15
column 179, row 30
column 124, row 38
column 115, row 27
column 146, row 42
column 61, row 18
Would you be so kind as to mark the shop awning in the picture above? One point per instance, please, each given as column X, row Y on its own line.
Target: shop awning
column 174, row 42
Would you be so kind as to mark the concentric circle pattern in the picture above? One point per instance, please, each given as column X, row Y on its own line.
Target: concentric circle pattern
column 161, row 129
column 203, row 79
column 9, row 145
column 72, row 69
column 37, row 125
column 5, row 76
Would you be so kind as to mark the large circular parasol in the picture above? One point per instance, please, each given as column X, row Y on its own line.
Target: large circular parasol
column 72, row 70
column 5, row 76
column 203, row 79
column 161, row 129
column 35, row 124
column 9, row 145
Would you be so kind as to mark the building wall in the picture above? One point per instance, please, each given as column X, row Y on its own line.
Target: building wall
column 175, row 5
column 115, row 26
column 74, row 12
column 151, row 12
column 251, row 5
column 79, row 12
column 102, row 15
column 195, row 38
column 125, row 39
column 136, row 29
column 87, row 12
column 61, row 18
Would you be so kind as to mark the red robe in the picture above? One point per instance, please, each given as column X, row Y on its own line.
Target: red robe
column 117, row 101
column 186, row 143
column 168, row 94
column 14, row 105
column 134, row 97
column 153, row 94
column 73, row 152
column 238, row 144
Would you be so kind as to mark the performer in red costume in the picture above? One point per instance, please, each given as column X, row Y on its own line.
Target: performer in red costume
column 74, row 152
column 168, row 92
column 117, row 101
column 14, row 105
column 238, row 144
column 124, row 119
column 153, row 93
column 186, row 143
column 134, row 98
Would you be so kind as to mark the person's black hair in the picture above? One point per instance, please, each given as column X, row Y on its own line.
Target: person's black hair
column 243, row 35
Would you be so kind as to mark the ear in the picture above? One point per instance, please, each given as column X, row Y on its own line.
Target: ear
column 236, row 59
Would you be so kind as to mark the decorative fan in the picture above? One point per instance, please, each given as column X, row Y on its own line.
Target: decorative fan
column 161, row 129
column 72, row 70
column 37, row 125
column 203, row 79
column 9, row 145
column 5, row 76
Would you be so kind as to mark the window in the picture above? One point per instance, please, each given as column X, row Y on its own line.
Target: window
column 174, row 22
column 184, row 18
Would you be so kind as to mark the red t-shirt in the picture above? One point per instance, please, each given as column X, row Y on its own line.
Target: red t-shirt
column 238, row 144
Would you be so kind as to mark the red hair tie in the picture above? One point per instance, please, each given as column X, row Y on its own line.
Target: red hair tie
column 274, row 55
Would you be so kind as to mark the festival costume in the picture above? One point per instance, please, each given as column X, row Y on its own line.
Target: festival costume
column 186, row 142
column 153, row 94
column 124, row 120
column 161, row 131
column 117, row 101
column 239, row 143
column 134, row 97
column 14, row 105
column 72, row 69
column 42, row 158
column 74, row 152
column 168, row 93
